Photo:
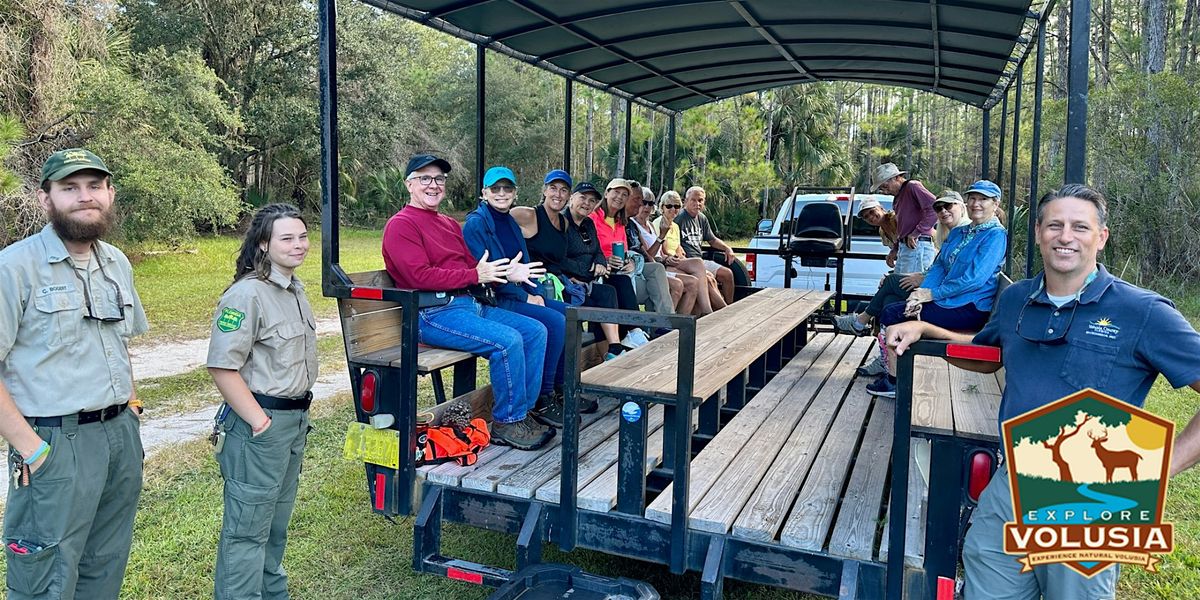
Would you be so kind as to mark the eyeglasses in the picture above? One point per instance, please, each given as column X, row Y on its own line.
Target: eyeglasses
column 672, row 206
column 940, row 207
column 87, row 295
column 428, row 179
column 647, row 203
column 1048, row 337
column 501, row 188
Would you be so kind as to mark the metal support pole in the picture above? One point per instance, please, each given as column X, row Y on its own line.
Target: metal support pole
column 480, row 110
column 1035, row 155
column 568, row 104
column 669, row 176
column 1077, row 91
column 999, row 181
column 1012, row 171
column 985, row 155
column 628, row 130
column 327, row 75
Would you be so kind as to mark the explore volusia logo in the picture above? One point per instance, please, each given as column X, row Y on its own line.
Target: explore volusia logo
column 1089, row 479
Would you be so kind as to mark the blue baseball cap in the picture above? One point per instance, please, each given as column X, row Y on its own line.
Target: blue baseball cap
column 557, row 175
column 495, row 174
column 984, row 187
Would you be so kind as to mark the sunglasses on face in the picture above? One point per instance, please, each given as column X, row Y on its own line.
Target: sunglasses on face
column 501, row 188
column 647, row 203
column 940, row 207
column 672, row 206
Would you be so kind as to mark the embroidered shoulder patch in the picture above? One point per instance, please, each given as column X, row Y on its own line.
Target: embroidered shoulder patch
column 230, row 319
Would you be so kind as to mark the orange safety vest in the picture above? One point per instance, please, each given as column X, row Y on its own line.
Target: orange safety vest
column 441, row 444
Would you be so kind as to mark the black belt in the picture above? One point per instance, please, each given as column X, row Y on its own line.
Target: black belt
column 85, row 417
column 277, row 403
column 924, row 238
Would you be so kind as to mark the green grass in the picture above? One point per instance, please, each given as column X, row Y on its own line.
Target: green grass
column 180, row 290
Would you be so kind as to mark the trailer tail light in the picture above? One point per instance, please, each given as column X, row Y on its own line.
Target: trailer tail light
column 751, row 263
column 945, row 588
column 366, row 398
column 979, row 475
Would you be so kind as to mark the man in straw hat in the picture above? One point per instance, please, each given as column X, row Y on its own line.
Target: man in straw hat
column 913, row 250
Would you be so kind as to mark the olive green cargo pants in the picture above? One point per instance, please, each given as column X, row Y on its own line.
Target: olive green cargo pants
column 74, row 521
column 261, row 476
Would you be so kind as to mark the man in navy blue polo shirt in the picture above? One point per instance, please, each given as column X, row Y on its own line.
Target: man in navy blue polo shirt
column 1073, row 326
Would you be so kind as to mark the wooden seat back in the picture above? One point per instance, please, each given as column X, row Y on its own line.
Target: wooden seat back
column 369, row 326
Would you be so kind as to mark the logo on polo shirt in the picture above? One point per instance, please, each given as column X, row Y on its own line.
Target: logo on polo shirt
column 1088, row 475
column 1103, row 328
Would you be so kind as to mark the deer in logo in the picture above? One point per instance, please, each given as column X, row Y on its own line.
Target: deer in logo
column 1113, row 460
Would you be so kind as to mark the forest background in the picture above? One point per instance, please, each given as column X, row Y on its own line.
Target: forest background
column 206, row 109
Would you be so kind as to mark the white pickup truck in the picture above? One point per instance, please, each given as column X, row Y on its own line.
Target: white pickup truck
column 860, row 276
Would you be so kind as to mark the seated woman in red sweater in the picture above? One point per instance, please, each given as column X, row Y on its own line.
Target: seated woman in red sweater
column 425, row 250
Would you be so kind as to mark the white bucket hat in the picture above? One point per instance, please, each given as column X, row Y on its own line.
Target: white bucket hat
column 883, row 173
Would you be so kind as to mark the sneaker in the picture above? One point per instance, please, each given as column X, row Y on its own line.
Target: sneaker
column 549, row 410
column 609, row 356
column 518, row 435
column 636, row 338
column 848, row 323
column 884, row 387
column 586, row 404
column 874, row 368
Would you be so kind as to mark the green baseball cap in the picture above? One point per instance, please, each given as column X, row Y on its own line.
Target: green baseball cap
column 72, row 160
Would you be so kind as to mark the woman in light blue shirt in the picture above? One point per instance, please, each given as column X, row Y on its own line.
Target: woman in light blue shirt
column 959, row 289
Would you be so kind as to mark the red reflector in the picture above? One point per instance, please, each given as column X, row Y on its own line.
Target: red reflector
column 367, row 293
column 980, row 474
column 467, row 576
column 945, row 588
column 367, row 398
column 971, row 352
column 751, row 262
column 843, row 197
column 380, row 490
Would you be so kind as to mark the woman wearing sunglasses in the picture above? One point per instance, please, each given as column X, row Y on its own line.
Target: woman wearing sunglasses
column 263, row 357
column 958, row 290
column 672, row 255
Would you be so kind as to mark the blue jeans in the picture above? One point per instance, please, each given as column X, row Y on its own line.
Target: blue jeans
column 514, row 345
column 915, row 260
column 552, row 316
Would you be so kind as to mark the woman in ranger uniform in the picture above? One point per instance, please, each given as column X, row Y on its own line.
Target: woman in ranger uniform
column 263, row 358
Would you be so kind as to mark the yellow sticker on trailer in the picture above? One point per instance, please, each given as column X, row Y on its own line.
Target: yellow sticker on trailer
column 376, row 446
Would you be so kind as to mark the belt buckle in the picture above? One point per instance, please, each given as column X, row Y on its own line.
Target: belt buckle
column 104, row 416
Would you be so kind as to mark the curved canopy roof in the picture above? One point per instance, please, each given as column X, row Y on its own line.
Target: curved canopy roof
column 674, row 55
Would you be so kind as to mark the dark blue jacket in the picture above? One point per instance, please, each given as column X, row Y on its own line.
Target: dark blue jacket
column 480, row 233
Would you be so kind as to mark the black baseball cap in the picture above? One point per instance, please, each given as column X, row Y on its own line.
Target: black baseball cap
column 584, row 187
column 420, row 161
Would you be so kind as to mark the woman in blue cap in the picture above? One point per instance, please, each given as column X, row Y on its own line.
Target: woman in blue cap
column 492, row 230
column 959, row 287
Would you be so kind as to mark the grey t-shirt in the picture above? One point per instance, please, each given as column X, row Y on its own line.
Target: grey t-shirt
column 693, row 231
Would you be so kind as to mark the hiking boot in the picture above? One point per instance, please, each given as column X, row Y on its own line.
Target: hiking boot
column 848, row 323
column 539, row 429
column 884, row 387
column 518, row 435
column 874, row 368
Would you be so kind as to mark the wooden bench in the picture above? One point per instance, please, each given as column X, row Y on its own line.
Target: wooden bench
column 371, row 330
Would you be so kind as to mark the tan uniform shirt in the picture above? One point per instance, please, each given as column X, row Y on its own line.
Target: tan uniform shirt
column 265, row 330
column 53, row 359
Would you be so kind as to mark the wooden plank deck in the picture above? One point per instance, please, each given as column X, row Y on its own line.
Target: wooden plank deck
column 805, row 464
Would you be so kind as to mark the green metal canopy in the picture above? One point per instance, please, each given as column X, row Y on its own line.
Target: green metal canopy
column 676, row 55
